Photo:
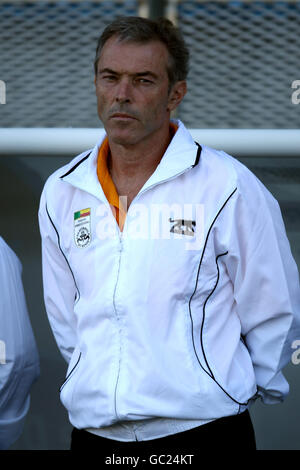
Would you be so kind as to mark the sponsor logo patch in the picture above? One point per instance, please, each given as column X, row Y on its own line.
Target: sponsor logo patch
column 183, row 227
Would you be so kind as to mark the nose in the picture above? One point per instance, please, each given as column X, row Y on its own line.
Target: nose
column 123, row 91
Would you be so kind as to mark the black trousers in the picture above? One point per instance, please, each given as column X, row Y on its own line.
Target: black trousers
column 229, row 433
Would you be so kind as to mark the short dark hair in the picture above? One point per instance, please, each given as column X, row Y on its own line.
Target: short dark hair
column 143, row 30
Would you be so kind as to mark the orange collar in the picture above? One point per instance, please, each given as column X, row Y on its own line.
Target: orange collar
column 108, row 185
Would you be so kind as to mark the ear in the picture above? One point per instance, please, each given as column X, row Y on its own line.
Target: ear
column 176, row 95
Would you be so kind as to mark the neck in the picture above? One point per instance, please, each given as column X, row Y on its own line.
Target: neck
column 130, row 161
column 130, row 166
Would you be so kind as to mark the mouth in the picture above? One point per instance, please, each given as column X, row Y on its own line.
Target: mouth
column 122, row 116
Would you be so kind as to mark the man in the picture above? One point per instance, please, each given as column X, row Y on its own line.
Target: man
column 169, row 282
column 19, row 362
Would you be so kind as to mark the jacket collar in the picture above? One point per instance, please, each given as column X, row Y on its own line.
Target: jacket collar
column 182, row 153
column 82, row 171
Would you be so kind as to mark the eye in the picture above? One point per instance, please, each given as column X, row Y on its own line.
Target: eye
column 144, row 81
column 109, row 78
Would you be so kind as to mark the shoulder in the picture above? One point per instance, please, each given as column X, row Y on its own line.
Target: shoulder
column 56, row 190
column 55, row 177
column 8, row 258
column 220, row 163
column 232, row 185
column 227, row 169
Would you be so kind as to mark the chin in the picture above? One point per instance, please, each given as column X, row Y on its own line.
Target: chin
column 122, row 138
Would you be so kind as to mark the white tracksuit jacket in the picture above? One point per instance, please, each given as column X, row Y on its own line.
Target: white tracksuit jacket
column 190, row 312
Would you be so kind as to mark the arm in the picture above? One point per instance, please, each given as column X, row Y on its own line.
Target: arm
column 59, row 285
column 19, row 363
column 266, row 285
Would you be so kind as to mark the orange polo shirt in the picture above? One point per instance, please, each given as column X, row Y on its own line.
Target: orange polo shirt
column 107, row 183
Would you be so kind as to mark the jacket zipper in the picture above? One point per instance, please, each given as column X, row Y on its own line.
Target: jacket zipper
column 118, row 320
column 114, row 295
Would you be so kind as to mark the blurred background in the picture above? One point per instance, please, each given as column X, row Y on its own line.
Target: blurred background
column 245, row 56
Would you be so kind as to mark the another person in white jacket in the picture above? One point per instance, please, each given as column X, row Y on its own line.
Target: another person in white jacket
column 19, row 361
column 168, row 277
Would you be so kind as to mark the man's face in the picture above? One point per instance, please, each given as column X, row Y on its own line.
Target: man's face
column 132, row 89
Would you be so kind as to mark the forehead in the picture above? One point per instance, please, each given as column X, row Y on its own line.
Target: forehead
column 133, row 57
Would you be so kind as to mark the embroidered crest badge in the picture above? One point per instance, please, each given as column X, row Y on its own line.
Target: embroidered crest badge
column 82, row 228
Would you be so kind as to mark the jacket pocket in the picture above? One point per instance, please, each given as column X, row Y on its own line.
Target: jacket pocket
column 71, row 373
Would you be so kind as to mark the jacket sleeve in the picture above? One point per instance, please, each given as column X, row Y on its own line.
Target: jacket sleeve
column 266, row 285
column 19, row 361
column 59, row 286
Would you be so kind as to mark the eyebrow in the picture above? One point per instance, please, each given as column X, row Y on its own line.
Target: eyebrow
column 138, row 74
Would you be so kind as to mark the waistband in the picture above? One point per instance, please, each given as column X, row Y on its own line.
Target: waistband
column 143, row 430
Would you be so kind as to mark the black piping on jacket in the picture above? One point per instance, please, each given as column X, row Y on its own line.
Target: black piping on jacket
column 210, row 373
column 70, row 373
column 58, row 242
column 198, row 154
column 75, row 166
